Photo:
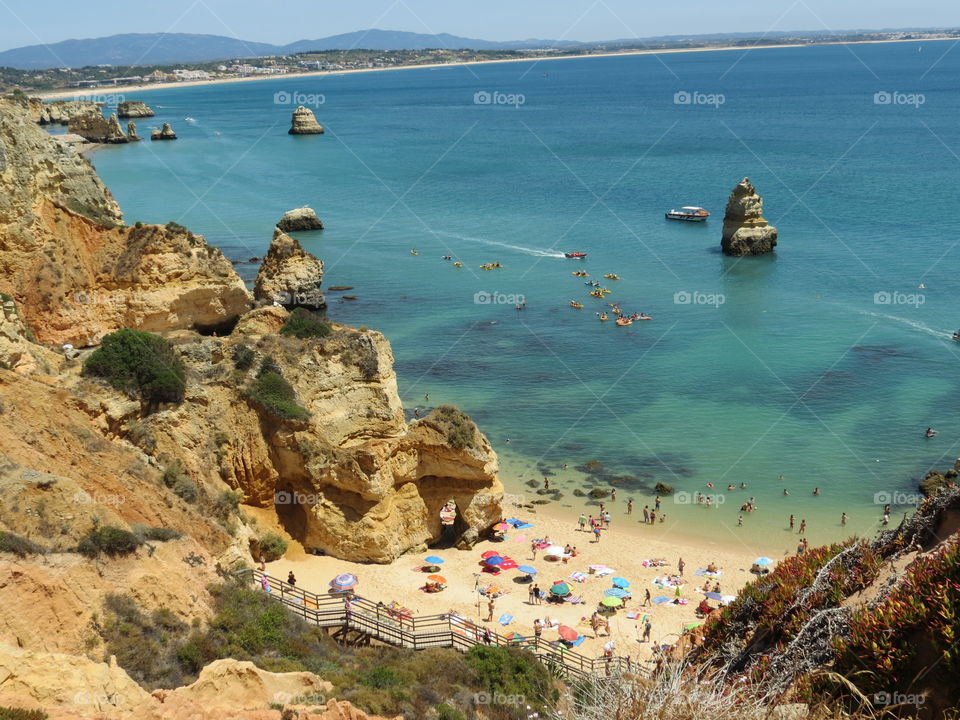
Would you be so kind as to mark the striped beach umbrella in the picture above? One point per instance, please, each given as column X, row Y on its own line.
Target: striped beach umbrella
column 346, row 581
column 616, row 592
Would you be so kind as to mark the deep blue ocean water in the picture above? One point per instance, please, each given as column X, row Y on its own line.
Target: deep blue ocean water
column 802, row 369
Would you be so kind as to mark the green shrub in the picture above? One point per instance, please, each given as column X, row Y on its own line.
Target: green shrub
column 460, row 430
column 186, row 489
column 274, row 394
column 173, row 472
column 303, row 323
column 15, row 713
column 141, row 364
column 19, row 546
column 272, row 546
column 243, row 357
column 226, row 504
column 510, row 672
column 380, row 678
column 159, row 534
column 448, row 712
column 108, row 540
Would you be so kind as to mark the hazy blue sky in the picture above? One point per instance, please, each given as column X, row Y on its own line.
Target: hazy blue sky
column 28, row 22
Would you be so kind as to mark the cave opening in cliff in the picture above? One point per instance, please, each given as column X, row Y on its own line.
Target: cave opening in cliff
column 291, row 514
column 452, row 525
column 221, row 329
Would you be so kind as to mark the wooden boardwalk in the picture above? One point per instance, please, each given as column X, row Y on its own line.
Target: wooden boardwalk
column 366, row 621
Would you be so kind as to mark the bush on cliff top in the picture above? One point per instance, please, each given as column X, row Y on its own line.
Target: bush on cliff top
column 460, row 430
column 19, row 546
column 303, row 323
column 108, row 540
column 141, row 364
column 274, row 394
column 272, row 547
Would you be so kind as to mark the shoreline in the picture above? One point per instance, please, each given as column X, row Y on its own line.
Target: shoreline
column 118, row 89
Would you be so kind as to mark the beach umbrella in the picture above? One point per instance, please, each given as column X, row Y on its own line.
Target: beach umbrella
column 508, row 564
column 528, row 569
column 555, row 551
column 494, row 560
column 763, row 561
column 433, row 560
column 621, row 582
column 489, row 554
column 560, row 589
column 567, row 633
column 437, row 579
column 346, row 581
column 714, row 596
column 514, row 637
column 616, row 592
column 611, row 602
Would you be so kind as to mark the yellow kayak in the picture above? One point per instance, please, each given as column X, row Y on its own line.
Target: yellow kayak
column 575, row 304
column 611, row 276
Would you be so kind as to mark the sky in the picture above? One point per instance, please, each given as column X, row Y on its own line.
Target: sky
column 27, row 22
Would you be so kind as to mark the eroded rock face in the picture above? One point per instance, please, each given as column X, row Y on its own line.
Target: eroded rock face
column 98, row 129
column 75, row 272
column 164, row 133
column 132, row 135
column 134, row 109
column 61, row 112
column 745, row 231
column 353, row 479
column 304, row 122
column 300, row 220
column 290, row 275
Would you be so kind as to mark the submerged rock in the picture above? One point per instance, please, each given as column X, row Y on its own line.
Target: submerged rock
column 290, row 276
column 300, row 220
column 304, row 122
column 98, row 129
column 164, row 133
column 745, row 231
column 134, row 109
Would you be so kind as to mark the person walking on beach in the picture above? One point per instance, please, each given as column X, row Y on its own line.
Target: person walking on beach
column 646, row 514
column 646, row 599
column 653, row 516
column 843, row 518
column 546, row 483
column 490, row 605
column 536, row 594
column 596, row 533
column 582, row 521
column 532, row 595
column 680, row 566
column 803, row 527
column 791, row 522
column 263, row 563
column 613, row 493
column 629, row 507
column 533, row 549
column 656, row 503
column 647, row 628
column 291, row 579
column 537, row 630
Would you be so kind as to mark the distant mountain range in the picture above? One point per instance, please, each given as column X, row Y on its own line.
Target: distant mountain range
column 170, row 48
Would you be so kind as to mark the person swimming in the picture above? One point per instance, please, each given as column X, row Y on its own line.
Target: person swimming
column 930, row 432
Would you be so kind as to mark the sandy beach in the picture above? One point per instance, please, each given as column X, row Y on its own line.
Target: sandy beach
column 622, row 548
column 86, row 92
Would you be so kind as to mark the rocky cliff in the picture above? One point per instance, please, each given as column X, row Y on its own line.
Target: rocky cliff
column 96, row 128
column 134, row 109
column 61, row 112
column 299, row 220
column 165, row 132
column 75, row 272
column 289, row 275
column 745, row 231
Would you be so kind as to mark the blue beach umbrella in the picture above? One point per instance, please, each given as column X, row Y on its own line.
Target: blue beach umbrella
column 616, row 592
column 714, row 596
column 763, row 561
column 494, row 560
column 433, row 560
column 347, row 581
column 528, row 569
column 621, row 582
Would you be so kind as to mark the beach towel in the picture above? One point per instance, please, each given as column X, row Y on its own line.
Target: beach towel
column 702, row 572
column 577, row 576
column 660, row 600
column 505, row 619
column 574, row 599
column 523, row 526
column 578, row 641
column 605, row 571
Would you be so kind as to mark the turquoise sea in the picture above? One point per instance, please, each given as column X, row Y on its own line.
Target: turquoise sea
column 824, row 362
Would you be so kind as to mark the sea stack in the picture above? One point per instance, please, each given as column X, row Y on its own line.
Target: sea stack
column 745, row 232
column 300, row 220
column 98, row 129
column 134, row 109
column 164, row 133
column 290, row 276
column 132, row 132
column 304, row 122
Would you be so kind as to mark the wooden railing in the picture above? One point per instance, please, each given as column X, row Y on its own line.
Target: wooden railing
column 419, row 632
